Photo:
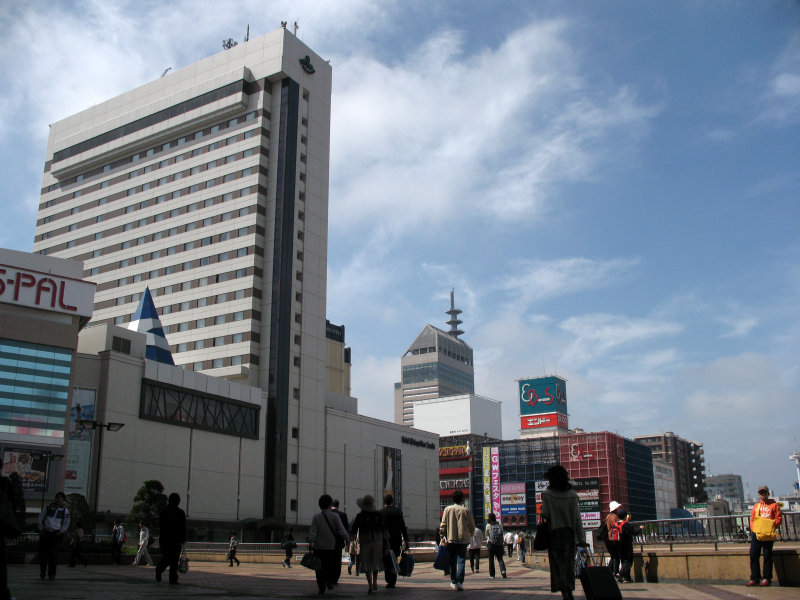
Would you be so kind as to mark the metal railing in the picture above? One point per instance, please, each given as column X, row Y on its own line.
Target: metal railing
column 710, row 530
column 275, row 548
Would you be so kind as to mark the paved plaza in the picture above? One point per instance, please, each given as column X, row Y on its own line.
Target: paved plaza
column 218, row 581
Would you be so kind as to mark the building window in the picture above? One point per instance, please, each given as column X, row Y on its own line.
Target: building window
column 293, row 505
column 295, row 433
column 122, row 345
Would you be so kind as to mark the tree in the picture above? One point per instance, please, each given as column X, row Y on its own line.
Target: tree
column 148, row 503
column 79, row 513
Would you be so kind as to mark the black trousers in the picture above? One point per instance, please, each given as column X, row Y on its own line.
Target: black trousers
column 756, row 547
column 613, row 551
column 116, row 551
column 327, row 573
column 496, row 551
column 232, row 556
column 170, row 553
column 475, row 559
column 48, row 553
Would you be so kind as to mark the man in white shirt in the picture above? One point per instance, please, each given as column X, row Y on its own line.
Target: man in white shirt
column 144, row 537
column 508, row 538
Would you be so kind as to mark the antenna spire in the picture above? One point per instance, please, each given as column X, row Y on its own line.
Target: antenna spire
column 454, row 321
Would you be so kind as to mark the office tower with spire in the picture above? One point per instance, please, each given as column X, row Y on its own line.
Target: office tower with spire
column 438, row 363
column 210, row 186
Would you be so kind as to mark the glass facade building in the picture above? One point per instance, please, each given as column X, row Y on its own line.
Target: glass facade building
column 34, row 388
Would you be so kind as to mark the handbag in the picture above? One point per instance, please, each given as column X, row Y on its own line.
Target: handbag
column 183, row 561
column 442, row 560
column 764, row 529
column 406, row 564
column 542, row 539
column 311, row 561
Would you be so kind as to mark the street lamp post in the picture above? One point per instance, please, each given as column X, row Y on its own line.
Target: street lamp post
column 91, row 424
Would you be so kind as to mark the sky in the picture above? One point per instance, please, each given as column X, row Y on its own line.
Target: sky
column 611, row 188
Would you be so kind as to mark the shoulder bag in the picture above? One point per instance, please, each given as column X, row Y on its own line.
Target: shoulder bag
column 542, row 539
column 311, row 561
column 183, row 561
column 763, row 528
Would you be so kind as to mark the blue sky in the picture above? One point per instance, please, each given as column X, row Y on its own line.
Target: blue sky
column 612, row 188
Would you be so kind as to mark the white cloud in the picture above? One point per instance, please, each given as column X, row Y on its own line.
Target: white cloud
column 536, row 280
column 780, row 101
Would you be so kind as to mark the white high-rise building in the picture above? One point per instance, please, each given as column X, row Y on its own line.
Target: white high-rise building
column 210, row 186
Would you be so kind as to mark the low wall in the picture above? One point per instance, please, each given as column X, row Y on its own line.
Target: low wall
column 698, row 565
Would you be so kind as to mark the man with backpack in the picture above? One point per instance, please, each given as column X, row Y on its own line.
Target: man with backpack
column 495, row 545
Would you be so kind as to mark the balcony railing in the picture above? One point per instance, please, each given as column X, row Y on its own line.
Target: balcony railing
column 710, row 530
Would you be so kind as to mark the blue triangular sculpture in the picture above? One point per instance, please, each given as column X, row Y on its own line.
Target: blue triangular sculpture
column 145, row 320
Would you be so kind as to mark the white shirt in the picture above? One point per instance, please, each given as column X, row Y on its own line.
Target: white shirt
column 144, row 535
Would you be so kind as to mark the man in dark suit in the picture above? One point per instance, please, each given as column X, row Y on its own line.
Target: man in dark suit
column 172, row 537
column 346, row 523
column 398, row 534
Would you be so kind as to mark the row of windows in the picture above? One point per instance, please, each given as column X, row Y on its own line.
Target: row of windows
column 215, row 342
column 218, row 363
column 183, row 286
column 436, row 371
column 195, row 409
column 144, row 187
column 239, row 315
column 150, row 120
column 134, row 207
column 186, row 305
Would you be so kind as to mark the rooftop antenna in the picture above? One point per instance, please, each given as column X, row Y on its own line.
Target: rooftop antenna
column 247, row 35
column 284, row 24
column 165, row 71
column 454, row 321
column 796, row 458
column 229, row 43
column 295, row 27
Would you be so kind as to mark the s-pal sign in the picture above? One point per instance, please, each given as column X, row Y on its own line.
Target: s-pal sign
column 542, row 395
column 46, row 291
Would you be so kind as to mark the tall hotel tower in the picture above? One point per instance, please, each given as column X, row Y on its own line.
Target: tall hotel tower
column 436, row 364
column 210, row 187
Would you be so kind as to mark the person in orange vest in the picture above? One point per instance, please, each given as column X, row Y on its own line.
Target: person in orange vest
column 762, row 536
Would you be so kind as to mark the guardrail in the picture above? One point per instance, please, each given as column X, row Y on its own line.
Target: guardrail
column 710, row 530
column 275, row 548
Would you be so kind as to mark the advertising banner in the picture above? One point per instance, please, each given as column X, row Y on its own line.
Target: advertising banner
column 545, row 420
column 46, row 291
column 79, row 450
column 542, row 395
column 30, row 466
column 453, row 452
column 512, row 498
column 392, row 471
column 588, row 489
column 487, row 481
column 496, row 496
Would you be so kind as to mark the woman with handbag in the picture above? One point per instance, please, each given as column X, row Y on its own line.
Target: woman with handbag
column 326, row 537
column 373, row 542
column 561, row 519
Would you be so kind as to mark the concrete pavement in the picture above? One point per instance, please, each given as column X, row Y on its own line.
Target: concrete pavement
column 218, row 581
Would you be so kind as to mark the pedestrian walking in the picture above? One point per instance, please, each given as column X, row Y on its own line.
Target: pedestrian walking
column 508, row 538
column 352, row 549
column 53, row 523
column 337, row 573
column 369, row 528
column 76, row 548
column 322, row 539
column 765, row 518
column 610, row 537
column 232, row 546
column 456, row 528
column 560, row 512
column 142, row 552
column 626, row 532
column 396, row 529
column 118, row 538
column 523, row 539
column 172, row 537
column 495, row 545
column 474, row 549
column 288, row 545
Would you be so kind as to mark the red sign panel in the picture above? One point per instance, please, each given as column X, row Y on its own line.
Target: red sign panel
column 546, row 420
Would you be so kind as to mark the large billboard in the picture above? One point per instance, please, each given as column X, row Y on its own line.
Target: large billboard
column 31, row 466
column 542, row 395
column 393, row 474
column 544, row 420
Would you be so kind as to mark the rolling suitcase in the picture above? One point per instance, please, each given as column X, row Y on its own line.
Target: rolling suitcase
column 599, row 584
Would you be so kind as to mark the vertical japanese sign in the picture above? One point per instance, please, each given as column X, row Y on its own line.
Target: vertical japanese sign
column 487, row 481
column 495, row 466
column 79, row 450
